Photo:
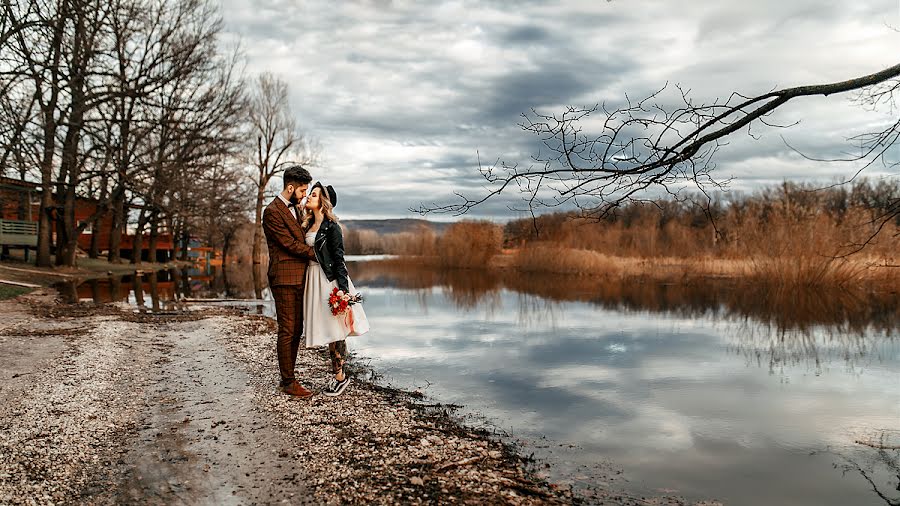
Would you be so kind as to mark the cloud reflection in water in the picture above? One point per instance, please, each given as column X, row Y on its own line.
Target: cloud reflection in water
column 709, row 390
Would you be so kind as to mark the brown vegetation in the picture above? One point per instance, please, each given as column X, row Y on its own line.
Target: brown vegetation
column 420, row 241
column 469, row 244
column 791, row 235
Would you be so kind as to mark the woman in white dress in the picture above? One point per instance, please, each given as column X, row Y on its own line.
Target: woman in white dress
column 320, row 327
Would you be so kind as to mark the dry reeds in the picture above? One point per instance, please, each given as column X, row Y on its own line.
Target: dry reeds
column 469, row 244
column 420, row 241
column 790, row 235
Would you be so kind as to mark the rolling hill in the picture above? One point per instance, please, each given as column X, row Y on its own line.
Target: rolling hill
column 393, row 226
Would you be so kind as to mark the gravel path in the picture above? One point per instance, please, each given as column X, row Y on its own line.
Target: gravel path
column 102, row 405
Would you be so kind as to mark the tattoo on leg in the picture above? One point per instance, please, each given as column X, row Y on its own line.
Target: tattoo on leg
column 338, row 352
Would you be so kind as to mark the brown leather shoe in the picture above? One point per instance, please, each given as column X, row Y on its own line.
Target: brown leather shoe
column 296, row 389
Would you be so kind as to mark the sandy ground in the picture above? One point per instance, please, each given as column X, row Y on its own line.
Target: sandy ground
column 105, row 406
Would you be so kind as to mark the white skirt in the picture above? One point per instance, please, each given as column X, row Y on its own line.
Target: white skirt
column 320, row 327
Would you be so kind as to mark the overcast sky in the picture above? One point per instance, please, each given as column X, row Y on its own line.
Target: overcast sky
column 404, row 96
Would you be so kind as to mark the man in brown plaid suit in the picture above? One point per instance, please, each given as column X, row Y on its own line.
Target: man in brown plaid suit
column 288, row 258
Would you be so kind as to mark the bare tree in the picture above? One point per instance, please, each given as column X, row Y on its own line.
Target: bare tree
column 225, row 196
column 175, row 94
column 125, row 101
column 277, row 141
column 649, row 147
column 195, row 125
column 34, row 62
column 88, row 21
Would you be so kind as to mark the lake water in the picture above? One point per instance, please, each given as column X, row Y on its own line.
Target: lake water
column 711, row 391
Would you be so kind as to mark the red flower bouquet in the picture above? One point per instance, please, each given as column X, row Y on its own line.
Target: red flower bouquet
column 339, row 303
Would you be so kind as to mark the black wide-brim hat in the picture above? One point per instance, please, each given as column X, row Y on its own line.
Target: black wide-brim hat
column 328, row 191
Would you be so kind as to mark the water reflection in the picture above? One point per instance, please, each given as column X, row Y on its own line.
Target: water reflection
column 877, row 460
column 775, row 327
column 170, row 290
column 713, row 390
column 843, row 310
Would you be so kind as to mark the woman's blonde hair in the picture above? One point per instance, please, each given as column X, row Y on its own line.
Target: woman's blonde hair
column 327, row 209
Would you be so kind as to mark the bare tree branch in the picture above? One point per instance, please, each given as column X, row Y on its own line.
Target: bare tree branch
column 652, row 146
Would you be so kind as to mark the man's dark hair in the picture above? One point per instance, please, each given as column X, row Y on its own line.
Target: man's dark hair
column 296, row 175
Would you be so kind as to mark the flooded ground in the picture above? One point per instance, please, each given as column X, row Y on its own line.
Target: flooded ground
column 710, row 391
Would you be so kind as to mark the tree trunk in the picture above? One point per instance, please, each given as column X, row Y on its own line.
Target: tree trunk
column 67, row 245
column 70, row 169
column 49, row 137
column 44, row 222
column 226, row 245
column 257, row 230
column 59, row 224
column 117, row 225
column 186, row 240
column 95, row 239
column 176, row 239
column 154, row 237
column 137, row 245
column 68, row 242
column 95, row 223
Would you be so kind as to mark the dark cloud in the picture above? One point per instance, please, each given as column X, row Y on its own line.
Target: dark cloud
column 405, row 97
column 527, row 34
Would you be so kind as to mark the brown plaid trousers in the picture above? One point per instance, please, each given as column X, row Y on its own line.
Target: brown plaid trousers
column 288, row 259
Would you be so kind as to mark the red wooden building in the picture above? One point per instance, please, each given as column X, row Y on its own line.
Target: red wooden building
column 19, row 213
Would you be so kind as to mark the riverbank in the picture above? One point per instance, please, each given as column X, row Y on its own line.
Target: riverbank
column 803, row 271
column 102, row 405
column 18, row 277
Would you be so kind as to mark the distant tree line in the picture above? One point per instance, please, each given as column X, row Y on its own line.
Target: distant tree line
column 790, row 219
column 781, row 220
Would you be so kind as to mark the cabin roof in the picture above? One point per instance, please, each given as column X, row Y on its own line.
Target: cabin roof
column 18, row 184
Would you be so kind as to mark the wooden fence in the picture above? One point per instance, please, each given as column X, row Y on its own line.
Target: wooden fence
column 18, row 233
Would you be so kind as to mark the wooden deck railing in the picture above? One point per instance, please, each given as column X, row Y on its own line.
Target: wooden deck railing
column 18, row 233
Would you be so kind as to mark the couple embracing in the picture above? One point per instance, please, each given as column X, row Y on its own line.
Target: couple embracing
column 306, row 264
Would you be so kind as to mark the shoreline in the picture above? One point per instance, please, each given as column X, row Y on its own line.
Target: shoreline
column 800, row 273
column 86, row 420
column 26, row 275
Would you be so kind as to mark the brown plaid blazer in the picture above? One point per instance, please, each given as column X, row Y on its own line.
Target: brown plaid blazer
column 288, row 253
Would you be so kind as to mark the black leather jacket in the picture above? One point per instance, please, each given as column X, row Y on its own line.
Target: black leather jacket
column 329, row 247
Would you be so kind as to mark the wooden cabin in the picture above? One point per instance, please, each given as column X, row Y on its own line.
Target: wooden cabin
column 19, row 214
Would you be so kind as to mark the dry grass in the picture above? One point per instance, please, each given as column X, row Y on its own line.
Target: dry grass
column 421, row 241
column 469, row 244
column 789, row 235
column 562, row 260
column 800, row 271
